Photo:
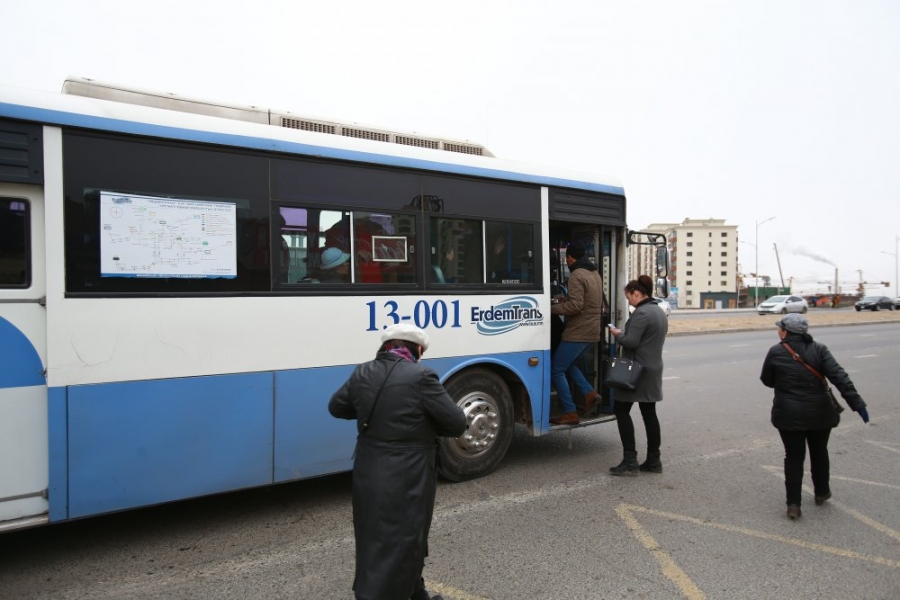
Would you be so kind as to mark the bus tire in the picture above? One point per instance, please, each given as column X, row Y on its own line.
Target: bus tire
column 486, row 400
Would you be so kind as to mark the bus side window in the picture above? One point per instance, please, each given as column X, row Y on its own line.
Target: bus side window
column 456, row 250
column 510, row 258
column 14, row 251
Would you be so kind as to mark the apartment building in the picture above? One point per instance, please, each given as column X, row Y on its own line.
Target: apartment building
column 704, row 254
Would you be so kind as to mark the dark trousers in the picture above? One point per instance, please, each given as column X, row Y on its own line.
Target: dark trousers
column 795, row 443
column 622, row 411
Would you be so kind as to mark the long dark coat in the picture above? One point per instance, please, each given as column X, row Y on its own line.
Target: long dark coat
column 800, row 402
column 642, row 340
column 394, row 473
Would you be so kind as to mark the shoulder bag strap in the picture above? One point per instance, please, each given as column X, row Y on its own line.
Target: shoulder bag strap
column 800, row 360
column 365, row 424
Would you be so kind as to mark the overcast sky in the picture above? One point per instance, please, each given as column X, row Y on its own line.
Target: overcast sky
column 740, row 110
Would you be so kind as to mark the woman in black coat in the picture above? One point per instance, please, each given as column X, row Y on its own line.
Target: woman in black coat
column 401, row 408
column 801, row 410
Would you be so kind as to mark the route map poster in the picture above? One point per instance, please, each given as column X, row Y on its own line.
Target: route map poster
column 144, row 236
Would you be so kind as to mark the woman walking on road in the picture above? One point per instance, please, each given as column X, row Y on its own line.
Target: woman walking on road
column 643, row 339
column 400, row 409
column 802, row 410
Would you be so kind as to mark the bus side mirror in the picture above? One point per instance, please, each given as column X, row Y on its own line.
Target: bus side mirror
column 662, row 261
column 662, row 287
column 662, row 272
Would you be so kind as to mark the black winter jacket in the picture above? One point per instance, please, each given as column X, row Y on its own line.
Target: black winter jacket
column 394, row 474
column 801, row 403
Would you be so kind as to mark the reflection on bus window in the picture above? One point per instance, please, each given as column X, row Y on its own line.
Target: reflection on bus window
column 306, row 233
column 510, row 253
column 384, row 246
column 322, row 247
column 456, row 251
column 13, row 243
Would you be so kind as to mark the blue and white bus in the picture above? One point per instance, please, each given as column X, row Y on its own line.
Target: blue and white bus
column 167, row 328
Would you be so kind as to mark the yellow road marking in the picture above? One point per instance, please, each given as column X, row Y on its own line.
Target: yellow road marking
column 669, row 568
column 767, row 536
column 449, row 592
column 892, row 533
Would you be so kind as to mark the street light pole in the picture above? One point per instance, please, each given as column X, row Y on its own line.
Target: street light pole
column 896, row 270
column 756, row 249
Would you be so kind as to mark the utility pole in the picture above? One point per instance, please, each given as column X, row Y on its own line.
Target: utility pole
column 778, row 260
column 896, row 270
column 756, row 273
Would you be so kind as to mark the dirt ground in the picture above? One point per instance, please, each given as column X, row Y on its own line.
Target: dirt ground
column 751, row 321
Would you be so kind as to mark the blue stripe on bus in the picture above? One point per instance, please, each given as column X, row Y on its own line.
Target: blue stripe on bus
column 140, row 443
column 122, row 445
column 308, row 440
column 58, row 440
column 20, row 364
column 30, row 113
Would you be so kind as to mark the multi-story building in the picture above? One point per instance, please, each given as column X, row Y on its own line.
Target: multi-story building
column 704, row 270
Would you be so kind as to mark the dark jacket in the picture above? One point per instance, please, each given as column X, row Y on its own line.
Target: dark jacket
column 582, row 307
column 394, row 474
column 801, row 403
column 642, row 340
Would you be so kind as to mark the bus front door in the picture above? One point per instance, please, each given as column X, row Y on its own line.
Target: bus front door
column 24, row 464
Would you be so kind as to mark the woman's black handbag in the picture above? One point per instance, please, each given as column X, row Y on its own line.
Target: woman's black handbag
column 623, row 373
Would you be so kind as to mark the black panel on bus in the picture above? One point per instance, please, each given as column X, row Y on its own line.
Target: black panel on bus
column 96, row 163
column 21, row 152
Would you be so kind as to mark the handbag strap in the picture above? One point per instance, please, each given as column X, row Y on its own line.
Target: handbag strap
column 796, row 357
column 365, row 423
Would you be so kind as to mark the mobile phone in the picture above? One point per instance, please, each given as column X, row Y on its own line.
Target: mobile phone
column 610, row 325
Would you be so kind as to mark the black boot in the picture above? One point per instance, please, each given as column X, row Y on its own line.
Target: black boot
column 652, row 464
column 628, row 466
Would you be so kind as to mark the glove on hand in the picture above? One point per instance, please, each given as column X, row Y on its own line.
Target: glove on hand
column 864, row 415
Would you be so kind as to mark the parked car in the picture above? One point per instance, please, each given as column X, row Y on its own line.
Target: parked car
column 874, row 303
column 780, row 305
column 897, row 302
column 664, row 305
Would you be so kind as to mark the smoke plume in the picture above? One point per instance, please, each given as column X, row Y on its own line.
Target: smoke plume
column 804, row 252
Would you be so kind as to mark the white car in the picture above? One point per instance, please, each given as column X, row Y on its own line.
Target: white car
column 781, row 305
column 662, row 303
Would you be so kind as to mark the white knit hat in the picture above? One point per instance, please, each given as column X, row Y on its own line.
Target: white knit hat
column 405, row 331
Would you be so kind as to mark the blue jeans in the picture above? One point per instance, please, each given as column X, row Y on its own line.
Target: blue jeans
column 564, row 364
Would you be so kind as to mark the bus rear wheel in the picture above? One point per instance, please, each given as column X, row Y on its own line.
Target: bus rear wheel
column 487, row 403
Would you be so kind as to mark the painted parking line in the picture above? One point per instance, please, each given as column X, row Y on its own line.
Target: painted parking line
column 669, row 567
column 880, row 527
column 678, row 577
column 449, row 592
column 885, row 445
column 671, row 377
column 866, row 356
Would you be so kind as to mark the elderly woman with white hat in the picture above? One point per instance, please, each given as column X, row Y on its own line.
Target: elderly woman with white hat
column 400, row 409
column 802, row 410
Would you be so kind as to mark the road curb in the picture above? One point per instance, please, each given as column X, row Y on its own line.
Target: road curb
column 746, row 329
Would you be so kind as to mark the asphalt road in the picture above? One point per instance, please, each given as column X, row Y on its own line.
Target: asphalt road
column 550, row 522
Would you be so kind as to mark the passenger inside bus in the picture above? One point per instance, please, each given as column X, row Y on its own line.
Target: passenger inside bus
column 334, row 266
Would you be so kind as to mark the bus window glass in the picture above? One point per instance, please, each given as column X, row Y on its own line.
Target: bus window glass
column 456, row 254
column 510, row 253
column 315, row 246
column 384, row 247
column 14, row 250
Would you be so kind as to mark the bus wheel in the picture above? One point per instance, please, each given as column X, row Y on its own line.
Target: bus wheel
column 487, row 403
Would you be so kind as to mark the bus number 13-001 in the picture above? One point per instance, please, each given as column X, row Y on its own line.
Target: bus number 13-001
column 424, row 315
